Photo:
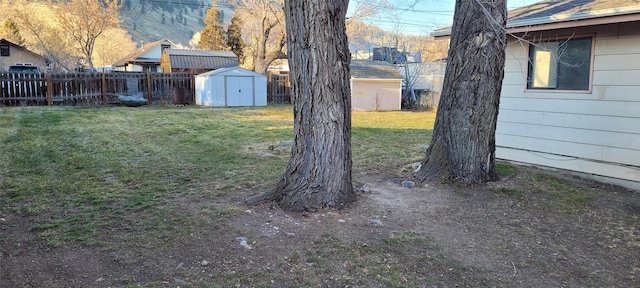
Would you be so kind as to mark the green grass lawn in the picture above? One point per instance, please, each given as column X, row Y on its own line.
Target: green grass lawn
column 91, row 168
column 148, row 193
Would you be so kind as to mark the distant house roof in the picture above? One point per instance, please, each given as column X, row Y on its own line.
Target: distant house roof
column 5, row 41
column 137, row 56
column 557, row 14
column 366, row 69
column 201, row 59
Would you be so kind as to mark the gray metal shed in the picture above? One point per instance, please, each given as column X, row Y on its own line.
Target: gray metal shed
column 231, row 87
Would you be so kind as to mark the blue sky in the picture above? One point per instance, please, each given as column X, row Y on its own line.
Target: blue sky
column 424, row 17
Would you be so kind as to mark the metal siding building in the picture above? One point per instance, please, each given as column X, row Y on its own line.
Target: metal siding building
column 181, row 60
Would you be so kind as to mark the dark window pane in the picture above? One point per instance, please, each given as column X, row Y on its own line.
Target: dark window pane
column 560, row 65
column 574, row 65
column 4, row 50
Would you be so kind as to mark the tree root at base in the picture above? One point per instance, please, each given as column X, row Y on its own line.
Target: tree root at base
column 273, row 194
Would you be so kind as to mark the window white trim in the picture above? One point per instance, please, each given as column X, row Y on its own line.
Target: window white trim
column 548, row 80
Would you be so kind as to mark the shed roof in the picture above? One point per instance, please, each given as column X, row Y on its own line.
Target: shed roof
column 572, row 13
column 201, row 59
column 230, row 71
column 365, row 69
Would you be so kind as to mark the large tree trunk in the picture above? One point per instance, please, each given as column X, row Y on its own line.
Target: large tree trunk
column 463, row 145
column 319, row 171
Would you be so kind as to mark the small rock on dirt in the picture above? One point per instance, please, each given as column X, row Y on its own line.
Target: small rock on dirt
column 408, row 184
column 243, row 242
column 375, row 222
column 365, row 188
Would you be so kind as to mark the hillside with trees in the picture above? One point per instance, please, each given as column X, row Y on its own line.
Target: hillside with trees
column 38, row 26
column 72, row 34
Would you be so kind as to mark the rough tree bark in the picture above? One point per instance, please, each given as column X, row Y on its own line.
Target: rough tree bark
column 319, row 172
column 463, row 145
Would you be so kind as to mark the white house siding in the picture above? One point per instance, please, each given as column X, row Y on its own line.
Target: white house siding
column 376, row 95
column 597, row 133
column 130, row 68
column 19, row 55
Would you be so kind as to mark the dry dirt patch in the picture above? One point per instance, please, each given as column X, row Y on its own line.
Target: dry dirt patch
column 505, row 234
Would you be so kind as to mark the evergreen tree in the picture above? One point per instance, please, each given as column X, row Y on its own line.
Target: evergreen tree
column 234, row 37
column 212, row 34
column 163, row 19
column 10, row 31
column 173, row 20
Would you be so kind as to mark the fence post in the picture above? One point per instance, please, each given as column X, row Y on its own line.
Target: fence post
column 104, row 89
column 269, row 87
column 193, row 89
column 49, row 89
column 149, row 92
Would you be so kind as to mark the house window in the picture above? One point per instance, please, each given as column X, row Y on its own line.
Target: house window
column 560, row 64
column 4, row 50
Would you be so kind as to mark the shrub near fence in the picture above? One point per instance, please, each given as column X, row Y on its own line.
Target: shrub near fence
column 85, row 89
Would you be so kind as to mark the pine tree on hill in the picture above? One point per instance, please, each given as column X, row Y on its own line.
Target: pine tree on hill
column 234, row 37
column 212, row 35
column 9, row 30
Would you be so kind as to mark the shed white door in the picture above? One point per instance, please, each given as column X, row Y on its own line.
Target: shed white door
column 239, row 91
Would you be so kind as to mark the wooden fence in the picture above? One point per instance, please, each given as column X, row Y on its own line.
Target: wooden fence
column 84, row 89
column 278, row 88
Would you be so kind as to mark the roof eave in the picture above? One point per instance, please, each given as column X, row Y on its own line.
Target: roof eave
column 551, row 25
column 377, row 79
column 565, row 20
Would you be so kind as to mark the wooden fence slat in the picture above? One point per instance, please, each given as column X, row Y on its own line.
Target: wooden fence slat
column 278, row 90
column 91, row 88
column 49, row 90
